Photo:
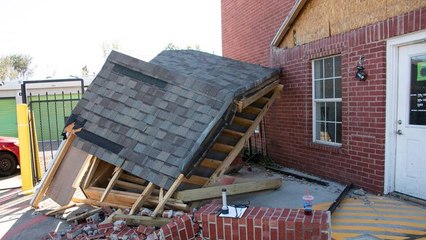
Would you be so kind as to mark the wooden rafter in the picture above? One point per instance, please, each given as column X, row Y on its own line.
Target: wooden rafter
column 111, row 183
column 234, row 153
column 243, row 103
column 169, row 193
column 91, row 173
column 127, row 199
column 142, row 198
column 197, row 180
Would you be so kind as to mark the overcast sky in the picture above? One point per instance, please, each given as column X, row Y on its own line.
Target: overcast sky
column 64, row 36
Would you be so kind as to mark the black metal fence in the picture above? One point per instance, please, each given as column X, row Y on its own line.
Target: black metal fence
column 48, row 113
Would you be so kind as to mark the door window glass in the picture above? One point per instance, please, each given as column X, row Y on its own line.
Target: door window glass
column 418, row 90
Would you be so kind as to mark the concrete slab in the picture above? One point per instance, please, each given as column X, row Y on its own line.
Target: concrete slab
column 289, row 195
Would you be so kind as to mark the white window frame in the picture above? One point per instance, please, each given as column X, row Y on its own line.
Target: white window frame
column 314, row 101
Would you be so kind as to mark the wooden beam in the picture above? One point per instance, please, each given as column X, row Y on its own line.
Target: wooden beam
column 210, row 163
column 84, row 215
column 242, row 121
column 87, row 163
column 133, row 186
column 239, row 146
column 232, row 132
column 243, row 103
column 49, row 175
column 131, row 178
column 142, row 220
column 91, row 173
column 60, row 209
column 127, row 199
column 233, row 189
column 220, row 147
column 197, row 180
column 252, row 110
column 111, row 183
column 262, row 100
column 101, row 174
column 142, row 198
column 99, row 204
column 169, row 193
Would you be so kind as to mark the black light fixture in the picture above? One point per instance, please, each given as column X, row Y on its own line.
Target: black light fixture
column 360, row 73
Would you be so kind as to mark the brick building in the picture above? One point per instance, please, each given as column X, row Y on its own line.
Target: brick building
column 370, row 131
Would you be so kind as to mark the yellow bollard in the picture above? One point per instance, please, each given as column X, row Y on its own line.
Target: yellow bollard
column 24, row 148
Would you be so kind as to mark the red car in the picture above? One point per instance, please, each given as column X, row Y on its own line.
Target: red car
column 9, row 155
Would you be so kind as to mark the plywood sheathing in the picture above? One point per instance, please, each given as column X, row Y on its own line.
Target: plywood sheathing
column 324, row 18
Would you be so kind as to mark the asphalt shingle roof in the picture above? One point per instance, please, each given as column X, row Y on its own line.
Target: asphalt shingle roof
column 152, row 118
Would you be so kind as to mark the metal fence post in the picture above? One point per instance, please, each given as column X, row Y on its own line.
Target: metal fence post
column 24, row 148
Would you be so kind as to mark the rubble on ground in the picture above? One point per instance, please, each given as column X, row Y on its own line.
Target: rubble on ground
column 102, row 225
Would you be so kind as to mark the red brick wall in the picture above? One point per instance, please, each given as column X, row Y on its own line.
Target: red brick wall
column 264, row 223
column 248, row 27
column 360, row 160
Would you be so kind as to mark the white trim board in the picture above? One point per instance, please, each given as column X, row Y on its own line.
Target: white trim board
column 392, row 47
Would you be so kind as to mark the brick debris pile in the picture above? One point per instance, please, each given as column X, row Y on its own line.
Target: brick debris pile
column 102, row 226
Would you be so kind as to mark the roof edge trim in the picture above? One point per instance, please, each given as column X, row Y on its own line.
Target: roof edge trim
column 285, row 26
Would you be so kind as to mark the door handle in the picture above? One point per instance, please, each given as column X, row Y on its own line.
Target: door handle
column 399, row 132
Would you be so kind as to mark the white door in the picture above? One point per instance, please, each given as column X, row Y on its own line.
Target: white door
column 410, row 175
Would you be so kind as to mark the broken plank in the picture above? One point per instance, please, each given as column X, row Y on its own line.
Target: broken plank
column 111, row 183
column 233, row 189
column 142, row 198
column 84, row 215
column 142, row 220
column 49, row 175
column 60, row 209
column 169, row 193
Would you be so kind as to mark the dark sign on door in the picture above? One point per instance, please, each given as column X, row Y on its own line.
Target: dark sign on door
column 418, row 90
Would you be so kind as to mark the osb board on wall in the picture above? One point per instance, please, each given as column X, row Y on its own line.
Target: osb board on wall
column 61, row 189
column 324, row 18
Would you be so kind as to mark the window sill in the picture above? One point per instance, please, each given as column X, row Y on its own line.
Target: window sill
column 326, row 146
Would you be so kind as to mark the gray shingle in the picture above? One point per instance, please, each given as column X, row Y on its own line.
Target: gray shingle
column 161, row 126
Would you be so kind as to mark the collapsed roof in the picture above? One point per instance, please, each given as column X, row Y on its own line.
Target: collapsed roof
column 157, row 119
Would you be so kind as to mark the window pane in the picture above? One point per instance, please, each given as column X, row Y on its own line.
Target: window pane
column 339, row 133
column 318, row 69
column 328, row 67
column 319, row 89
column 338, row 66
column 329, row 92
column 338, row 112
column 331, row 132
column 320, row 110
column 331, row 111
column 338, row 87
column 320, row 129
